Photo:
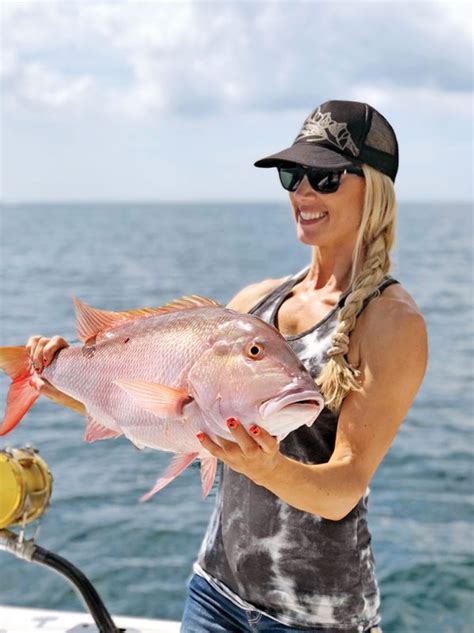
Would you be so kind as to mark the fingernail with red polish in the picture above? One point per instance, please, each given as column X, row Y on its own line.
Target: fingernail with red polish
column 200, row 436
column 254, row 429
column 232, row 423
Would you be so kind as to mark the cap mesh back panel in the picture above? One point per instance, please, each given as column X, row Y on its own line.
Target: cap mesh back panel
column 380, row 136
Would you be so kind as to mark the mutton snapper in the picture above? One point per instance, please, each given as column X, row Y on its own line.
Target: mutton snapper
column 160, row 375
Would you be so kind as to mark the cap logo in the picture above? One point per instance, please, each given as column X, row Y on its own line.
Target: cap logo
column 320, row 126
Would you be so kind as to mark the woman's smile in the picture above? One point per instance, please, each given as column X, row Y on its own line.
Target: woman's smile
column 311, row 217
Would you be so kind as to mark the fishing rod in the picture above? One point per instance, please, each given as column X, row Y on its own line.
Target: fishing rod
column 25, row 491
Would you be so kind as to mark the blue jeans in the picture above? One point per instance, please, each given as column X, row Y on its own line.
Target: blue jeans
column 208, row 611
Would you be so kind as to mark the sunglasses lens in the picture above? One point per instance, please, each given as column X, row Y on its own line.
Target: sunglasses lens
column 324, row 182
column 290, row 177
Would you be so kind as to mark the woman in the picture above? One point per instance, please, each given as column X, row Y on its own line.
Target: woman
column 288, row 546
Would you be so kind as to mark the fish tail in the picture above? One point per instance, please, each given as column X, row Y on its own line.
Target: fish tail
column 16, row 362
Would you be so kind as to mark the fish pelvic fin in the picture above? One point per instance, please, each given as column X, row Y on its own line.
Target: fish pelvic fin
column 179, row 463
column 91, row 321
column 163, row 401
column 208, row 474
column 96, row 431
column 22, row 394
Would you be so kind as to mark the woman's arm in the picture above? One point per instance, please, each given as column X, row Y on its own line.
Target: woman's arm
column 41, row 351
column 394, row 355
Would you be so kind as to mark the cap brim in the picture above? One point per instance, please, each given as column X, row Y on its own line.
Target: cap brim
column 309, row 154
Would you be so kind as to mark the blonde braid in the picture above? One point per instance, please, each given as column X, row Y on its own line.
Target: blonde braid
column 375, row 240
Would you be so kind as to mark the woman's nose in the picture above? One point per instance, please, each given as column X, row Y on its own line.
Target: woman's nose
column 304, row 188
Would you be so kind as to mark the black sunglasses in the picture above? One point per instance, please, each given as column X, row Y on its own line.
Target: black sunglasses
column 322, row 180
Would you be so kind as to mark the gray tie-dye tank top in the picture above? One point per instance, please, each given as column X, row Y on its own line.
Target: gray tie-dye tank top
column 265, row 555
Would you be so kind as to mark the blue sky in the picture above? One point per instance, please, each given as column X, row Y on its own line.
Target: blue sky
column 154, row 100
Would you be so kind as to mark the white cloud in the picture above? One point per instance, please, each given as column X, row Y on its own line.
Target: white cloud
column 50, row 88
column 418, row 98
column 194, row 58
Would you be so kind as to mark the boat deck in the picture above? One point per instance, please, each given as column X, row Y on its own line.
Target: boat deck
column 21, row 620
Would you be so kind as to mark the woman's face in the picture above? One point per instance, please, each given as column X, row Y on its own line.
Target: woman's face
column 343, row 207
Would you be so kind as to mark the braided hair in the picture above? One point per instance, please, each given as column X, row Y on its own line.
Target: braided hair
column 375, row 240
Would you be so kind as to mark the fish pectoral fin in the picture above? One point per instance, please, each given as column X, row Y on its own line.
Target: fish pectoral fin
column 163, row 401
column 179, row 463
column 208, row 474
column 96, row 431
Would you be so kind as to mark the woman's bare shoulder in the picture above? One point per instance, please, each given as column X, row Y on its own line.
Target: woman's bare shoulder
column 249, row 296
column 395, row 301
column 394, row 312
column 395, row 297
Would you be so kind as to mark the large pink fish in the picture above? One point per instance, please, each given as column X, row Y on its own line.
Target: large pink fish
column 160, row 375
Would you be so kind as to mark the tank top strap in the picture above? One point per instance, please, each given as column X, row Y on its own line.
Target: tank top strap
column 282, row 288
column 388, row 280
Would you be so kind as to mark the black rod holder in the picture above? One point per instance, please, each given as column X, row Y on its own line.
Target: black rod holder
column 28, row 550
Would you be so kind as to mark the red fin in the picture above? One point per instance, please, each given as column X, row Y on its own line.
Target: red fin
column 16, row 362
column 208, row 474
column 91, row 321
column 189, row 302
column 96, row 431
column 163, row 401
column 178, row 464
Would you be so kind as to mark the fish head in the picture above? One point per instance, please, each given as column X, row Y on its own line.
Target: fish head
column 249, row 372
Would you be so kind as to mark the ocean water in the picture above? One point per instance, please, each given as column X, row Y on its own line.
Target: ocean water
column 139, row 556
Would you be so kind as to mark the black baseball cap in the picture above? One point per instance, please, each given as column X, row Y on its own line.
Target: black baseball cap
column 341, row 134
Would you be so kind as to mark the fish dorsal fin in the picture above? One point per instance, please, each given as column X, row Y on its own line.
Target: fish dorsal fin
column 189, row 302
column 91, row 321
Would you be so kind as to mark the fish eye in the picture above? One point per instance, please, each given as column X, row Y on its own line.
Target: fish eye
column 255, row 350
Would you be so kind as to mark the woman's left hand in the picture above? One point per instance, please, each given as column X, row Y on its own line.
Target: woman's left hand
column 255, row 454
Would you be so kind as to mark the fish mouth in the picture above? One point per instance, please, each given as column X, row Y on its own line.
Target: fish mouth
column 289, row 397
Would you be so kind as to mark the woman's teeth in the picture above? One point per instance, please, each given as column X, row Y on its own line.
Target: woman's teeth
column 311, row 215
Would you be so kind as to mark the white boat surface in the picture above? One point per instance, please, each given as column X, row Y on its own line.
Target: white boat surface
column 22, row 620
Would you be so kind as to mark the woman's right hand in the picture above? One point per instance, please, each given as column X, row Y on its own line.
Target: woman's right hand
column 42, row 349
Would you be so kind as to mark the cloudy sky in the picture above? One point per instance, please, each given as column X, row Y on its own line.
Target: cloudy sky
column 133, row 100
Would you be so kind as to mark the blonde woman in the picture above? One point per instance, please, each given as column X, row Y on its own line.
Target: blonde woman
column 288, row 547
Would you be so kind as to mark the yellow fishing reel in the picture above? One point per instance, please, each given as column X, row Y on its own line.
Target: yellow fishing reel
column 25, row 489
column 25, row 486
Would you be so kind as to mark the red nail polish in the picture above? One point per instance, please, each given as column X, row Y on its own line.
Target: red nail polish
column 254, row 429
column 232, row 423
column 200, row 436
